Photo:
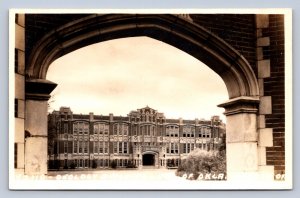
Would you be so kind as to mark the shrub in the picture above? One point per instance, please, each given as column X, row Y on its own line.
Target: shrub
column 179, row 173
column 195, row 176
column 204, row 162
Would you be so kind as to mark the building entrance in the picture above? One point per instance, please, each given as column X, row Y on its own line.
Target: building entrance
column 148, row 160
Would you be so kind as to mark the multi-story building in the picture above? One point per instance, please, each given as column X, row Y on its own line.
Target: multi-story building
column 142, row 138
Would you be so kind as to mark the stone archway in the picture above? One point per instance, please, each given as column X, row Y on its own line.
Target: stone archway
column 178, row 31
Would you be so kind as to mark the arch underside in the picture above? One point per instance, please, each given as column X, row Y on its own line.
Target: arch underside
column 185, row 35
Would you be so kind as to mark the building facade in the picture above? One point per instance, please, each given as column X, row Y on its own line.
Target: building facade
column 144, row 137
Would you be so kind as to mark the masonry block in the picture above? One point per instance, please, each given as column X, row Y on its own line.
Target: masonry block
column 19, row 87
column 21, row 62
column 262, row 21
column 261, row 86
column 35, row 123
column 20, row 37
column 261, row 121
column 241, row 157
column 265, row 41
column 21, row 109
column 241, row 127
column 19, row 130
column 262, row 158
column 259, row 53
column 259, row 33
column 35, row 152
column 265, row 137
column 263, row 67
column 21, row 20
column 265, row 106
column 21, row 156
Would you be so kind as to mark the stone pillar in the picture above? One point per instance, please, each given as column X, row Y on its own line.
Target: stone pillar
column 36, row 130
column 241, row 138
column 19, row 106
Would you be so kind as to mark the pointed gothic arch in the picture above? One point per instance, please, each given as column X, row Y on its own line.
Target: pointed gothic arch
column 178, row 31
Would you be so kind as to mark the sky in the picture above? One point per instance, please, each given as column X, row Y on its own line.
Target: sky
column 122, row 75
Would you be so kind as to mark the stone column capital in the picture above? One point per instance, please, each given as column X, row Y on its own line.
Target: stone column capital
column 39, row 89
column 242, row 104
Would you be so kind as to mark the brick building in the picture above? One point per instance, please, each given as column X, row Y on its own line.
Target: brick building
column 248, row 51
column 144, row 137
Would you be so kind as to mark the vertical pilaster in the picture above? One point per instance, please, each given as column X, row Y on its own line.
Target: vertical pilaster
column 241, row 138
column 19, row 91
column 36, row 135
column 265, row 135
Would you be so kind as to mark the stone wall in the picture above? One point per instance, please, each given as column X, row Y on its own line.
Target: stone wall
column 19, row 110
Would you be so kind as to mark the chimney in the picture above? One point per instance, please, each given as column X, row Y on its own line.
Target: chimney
column 91, row 116
column 180, row 121
column 111, row 117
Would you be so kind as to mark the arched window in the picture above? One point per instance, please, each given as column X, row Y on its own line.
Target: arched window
column 205, row 132
column 148, row 130
column 172, row 131
column 80, row 128
column 188, row 131
column 101, row 128
column 120, row 129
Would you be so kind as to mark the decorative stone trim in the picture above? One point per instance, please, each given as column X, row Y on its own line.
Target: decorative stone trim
column 265, row 106
column 265, row 135
column 39, row 89
column 205, row 46
column 263, row 67
column 241, row 104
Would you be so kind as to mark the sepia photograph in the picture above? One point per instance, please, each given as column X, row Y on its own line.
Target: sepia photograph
column 150, row 99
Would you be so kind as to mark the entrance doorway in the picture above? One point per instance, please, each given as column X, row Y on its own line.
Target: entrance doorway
column 148, row 160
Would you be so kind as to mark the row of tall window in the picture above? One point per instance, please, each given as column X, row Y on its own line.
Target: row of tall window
column 120, row 147
column 81, row 163
column 172, row 130
column 188, row 147
column 147, row 119
column 205, row 132
column 80, row 147
column 101, row 147
column 121, row 162
column 188, row 131
column 120, row 129
column 173, row 148
column 81, row 128
column 101, row 129
column 102, row 162
column 148, row 130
